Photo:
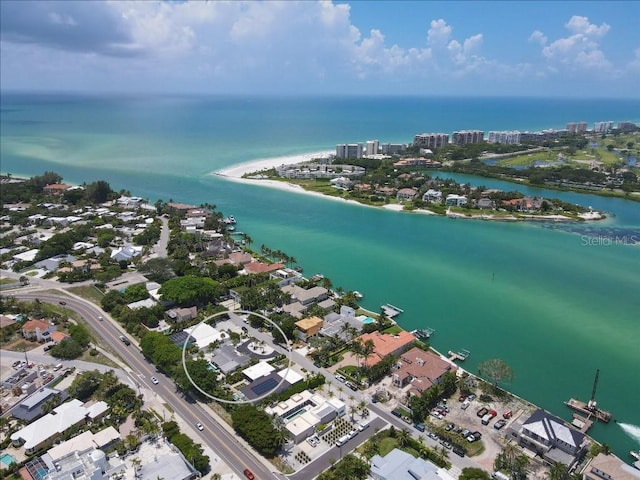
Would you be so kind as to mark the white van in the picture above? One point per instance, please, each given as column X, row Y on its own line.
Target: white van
column 342, row 440
column 500, row 476
column 57, row 367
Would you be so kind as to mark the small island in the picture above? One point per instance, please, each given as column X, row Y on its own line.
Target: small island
column 408, row 177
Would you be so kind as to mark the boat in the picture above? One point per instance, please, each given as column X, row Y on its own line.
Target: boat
column 358, row 295
column 231, row 228
column 317, row 277
column 590, row 408
column 230, row 220
column 635, row 454
column 423, row 333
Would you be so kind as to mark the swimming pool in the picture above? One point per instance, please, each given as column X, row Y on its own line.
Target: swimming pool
column 7, row 459
column 368, row 320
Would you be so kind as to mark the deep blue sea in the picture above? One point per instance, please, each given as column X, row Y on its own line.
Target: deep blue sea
column 556, row 302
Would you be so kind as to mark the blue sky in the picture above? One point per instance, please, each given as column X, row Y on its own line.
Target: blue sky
column 556, row 48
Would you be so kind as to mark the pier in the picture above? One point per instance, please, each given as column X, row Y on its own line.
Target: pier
column 461, row 355
column 391, row 310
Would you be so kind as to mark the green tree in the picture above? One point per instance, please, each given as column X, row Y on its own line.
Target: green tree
column 257, row 428
column 98, row 192
column 496, row 371
column 191, row 290
column 471, row 473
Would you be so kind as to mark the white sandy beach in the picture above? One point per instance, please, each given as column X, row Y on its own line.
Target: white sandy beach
column 237, row 171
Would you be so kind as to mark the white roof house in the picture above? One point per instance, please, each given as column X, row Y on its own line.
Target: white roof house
column 259, row 370
column 204, row 334
column 55, row 423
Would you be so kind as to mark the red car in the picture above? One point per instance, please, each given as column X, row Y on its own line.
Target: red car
column 249, row 474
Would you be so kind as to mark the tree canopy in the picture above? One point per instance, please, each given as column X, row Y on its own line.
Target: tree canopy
column 496, row 371
column 191, row 290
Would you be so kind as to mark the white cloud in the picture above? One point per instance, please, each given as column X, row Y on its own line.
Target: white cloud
column 581, row 25
column 580, row 50
column 439, row 33
column 538, row 37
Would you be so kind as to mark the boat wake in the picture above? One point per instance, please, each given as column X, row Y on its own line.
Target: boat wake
column 632, row 430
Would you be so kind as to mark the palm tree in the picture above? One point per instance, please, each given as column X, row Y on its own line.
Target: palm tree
column 340, row 390
column 559, row 471
column 367, row 349
column 403, row 438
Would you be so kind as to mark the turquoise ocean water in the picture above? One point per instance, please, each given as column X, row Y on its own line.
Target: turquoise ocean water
column 554, row 301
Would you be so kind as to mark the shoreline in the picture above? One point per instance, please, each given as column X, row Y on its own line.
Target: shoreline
column 236, row 174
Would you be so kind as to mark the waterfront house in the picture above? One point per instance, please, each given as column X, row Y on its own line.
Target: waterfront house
column 306, row 296
column 486, row 204
column 609, row 467
column 454, row 200
column 420, row 369
column 432, row 195
column 342, row 183
column 385, row 344
column 550, row 437
column 406, row 194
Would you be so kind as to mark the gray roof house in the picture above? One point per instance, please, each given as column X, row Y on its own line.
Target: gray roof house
column 551, row 438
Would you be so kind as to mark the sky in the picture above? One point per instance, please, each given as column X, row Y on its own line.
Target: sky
column 472, row 48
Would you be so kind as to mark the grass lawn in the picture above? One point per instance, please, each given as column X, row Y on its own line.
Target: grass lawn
column 99, row 358
column 393, row 330
column 386, row 445
column 5, row 281
column 88, row 293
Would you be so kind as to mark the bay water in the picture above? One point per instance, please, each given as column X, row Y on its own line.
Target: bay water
column 554, row 301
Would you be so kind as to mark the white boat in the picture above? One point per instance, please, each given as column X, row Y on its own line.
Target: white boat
column 358, row 295
column 635, row 454
column 229, row 220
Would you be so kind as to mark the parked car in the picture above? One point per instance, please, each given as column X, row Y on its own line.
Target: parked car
column 418, row 426
column 363, row 426
column 340, row 378
column 396, row 413
column 477, row 434
column 313, row 441
column 471, row 397
column 459, row 451
column 499, row 424
column 446, row 444
column 465, row 432
column 465, row 404
column 482, row 412
column 507, row 414
column 449, row 426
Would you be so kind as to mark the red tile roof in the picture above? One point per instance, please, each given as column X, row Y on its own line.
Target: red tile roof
column 385, row 344
column 259, row 267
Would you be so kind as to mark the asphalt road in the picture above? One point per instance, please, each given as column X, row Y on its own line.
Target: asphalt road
column 224, row 443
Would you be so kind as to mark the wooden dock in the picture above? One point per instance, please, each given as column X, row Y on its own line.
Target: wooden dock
column 390, row 310
column 423, row 333
column 461, row 355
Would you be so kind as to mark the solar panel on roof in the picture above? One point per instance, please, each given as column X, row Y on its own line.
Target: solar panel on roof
column 264, row 387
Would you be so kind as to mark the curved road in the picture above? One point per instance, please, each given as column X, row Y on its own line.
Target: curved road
column 223, row 442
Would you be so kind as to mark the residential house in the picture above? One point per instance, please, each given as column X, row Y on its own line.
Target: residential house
column 385, row 344
column 309, row 327
column 420, row 369
column 126, row 253
column 6, row 321
column 486, row 204
column 454, row 200
column 609, row 467
column 259, row 267
column 38, row 330
column 57, row 337
column 31, row 407
column 47, row 429
column 306, row 296
column 406, row 194
column 386, row 191
column 55, row 188
column 550, row 437
column 432, row 195
column 183, row 314
column 342, row 183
